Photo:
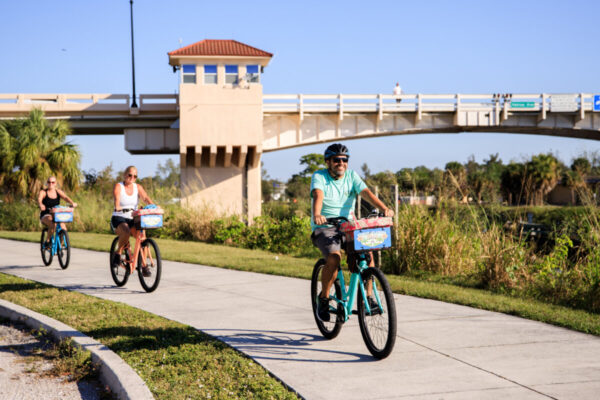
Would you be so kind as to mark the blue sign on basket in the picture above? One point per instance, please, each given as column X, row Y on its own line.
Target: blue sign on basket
column 63, row 217
column 597, row 102
column 151, row 221
column 372, row 238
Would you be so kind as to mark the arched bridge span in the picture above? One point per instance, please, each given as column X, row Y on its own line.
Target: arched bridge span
column 299, row 120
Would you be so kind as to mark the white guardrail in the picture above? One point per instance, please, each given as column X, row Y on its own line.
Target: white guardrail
column 384, row 103
column 95, row 102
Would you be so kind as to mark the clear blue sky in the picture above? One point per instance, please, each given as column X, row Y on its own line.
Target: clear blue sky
column 319, row 47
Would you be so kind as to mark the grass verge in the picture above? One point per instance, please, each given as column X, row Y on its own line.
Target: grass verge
column 176, row 361
column 269, row 263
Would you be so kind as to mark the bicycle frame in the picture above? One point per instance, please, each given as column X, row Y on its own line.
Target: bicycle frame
column 136, row 252
column 54, row 242
column 349, row 295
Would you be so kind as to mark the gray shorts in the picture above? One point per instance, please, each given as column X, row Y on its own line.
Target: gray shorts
column 328, row 240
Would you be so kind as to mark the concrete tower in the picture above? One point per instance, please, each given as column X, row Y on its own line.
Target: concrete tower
column 220, row 125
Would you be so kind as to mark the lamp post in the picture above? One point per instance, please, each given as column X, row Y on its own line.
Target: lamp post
column 133, row 103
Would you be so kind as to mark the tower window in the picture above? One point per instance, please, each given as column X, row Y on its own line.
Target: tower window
column 189, row 73
column 210, row 74
column 252, row 75
column 231, row 74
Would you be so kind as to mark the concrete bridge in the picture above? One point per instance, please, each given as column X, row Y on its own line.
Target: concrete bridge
column 220, row 122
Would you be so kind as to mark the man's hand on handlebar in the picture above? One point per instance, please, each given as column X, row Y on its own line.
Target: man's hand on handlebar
column 320, row 220
column 388, row 212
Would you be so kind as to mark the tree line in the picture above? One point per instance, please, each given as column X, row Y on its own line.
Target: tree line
column 527, row 182
column 33, row 148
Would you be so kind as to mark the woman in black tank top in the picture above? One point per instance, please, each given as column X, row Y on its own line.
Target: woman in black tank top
column 48, row 198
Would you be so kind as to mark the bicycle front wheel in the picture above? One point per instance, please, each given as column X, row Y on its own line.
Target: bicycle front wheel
column 118, row 270
column 331, row 328
column 149, row 265
column 46, row 248
column 378, row 328
column 64, row 249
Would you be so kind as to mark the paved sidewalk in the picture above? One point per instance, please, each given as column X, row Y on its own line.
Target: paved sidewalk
column 443, row 351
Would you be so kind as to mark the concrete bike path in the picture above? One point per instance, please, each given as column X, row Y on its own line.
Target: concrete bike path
column 443, row 351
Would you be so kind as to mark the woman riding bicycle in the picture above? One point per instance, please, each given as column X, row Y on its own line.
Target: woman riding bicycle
column 334, row 191
column 49, row 198
column 126, row 197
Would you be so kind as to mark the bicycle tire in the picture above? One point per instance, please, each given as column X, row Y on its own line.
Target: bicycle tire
column 119, row 272
column 64, row 249
column 378, row 330
column 330, row 329
column 45, row 250
column 154, row 262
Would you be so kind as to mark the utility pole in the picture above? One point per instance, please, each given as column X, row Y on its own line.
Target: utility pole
column 133, row 103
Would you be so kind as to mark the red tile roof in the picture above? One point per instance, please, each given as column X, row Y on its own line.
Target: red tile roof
column 212, row 47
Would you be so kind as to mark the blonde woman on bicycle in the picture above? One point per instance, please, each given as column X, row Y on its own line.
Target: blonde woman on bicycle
column 126, row 195
column 49, row 198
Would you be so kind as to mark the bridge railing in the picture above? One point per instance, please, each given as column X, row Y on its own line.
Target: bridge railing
column 74, row 103
column 385, row 103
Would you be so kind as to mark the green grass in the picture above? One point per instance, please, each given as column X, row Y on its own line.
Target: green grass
column 269, row 263
column 176, row 361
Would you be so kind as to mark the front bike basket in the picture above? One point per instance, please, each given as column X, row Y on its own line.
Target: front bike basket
column 62, row 214
column 368, row 234
column 148, row 218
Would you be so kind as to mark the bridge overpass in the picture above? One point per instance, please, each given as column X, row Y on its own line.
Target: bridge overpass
column 297, row 120
column 220, row 122
column 292, row 120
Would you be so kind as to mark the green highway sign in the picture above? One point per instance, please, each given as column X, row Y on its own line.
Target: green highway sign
column 522, row 104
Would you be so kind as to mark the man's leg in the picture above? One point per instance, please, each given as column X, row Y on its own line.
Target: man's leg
column 332, row 263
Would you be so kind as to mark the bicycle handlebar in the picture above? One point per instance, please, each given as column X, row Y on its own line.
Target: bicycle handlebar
column 340, row 220
column 337, row 220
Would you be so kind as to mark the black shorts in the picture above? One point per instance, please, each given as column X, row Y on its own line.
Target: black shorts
column 328, row 240
column 116, row 221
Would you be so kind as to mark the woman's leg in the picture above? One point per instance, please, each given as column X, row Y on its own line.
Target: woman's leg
column 124, row 232
column 47, row 222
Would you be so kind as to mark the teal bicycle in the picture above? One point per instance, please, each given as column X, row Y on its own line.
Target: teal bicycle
column 59, row 243
column 377, row 319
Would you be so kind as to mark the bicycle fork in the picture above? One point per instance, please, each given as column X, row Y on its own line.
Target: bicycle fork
column 349, row 294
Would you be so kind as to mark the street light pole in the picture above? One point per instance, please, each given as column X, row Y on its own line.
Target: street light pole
column 133, row 103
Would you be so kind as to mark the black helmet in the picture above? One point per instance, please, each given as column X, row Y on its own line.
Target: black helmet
column 336, row 149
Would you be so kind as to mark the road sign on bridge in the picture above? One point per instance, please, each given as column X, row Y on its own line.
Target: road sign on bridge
column 522, row 104
column 597, row 102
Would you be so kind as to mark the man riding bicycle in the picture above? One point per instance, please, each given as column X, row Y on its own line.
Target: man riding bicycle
column 334, row 191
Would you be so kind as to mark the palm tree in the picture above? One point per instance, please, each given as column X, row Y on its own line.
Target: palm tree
column 574, row 178
column 31, row 150
column 543, row 172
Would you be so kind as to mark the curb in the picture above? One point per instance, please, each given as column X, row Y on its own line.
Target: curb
column 122, row 380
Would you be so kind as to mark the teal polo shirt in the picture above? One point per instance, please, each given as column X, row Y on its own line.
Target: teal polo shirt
column 339, row 194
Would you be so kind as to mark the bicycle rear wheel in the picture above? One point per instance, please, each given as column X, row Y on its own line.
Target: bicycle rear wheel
column 64, row 249
column 332, row 328
column 120, row 270
column 149, row 265
column 378, row 328
column 45, row 248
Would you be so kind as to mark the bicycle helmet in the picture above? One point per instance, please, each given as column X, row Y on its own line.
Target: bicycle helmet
column 336, row 149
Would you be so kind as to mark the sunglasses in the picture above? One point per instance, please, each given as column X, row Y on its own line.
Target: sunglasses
column 340, row 159
column 132, row 176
